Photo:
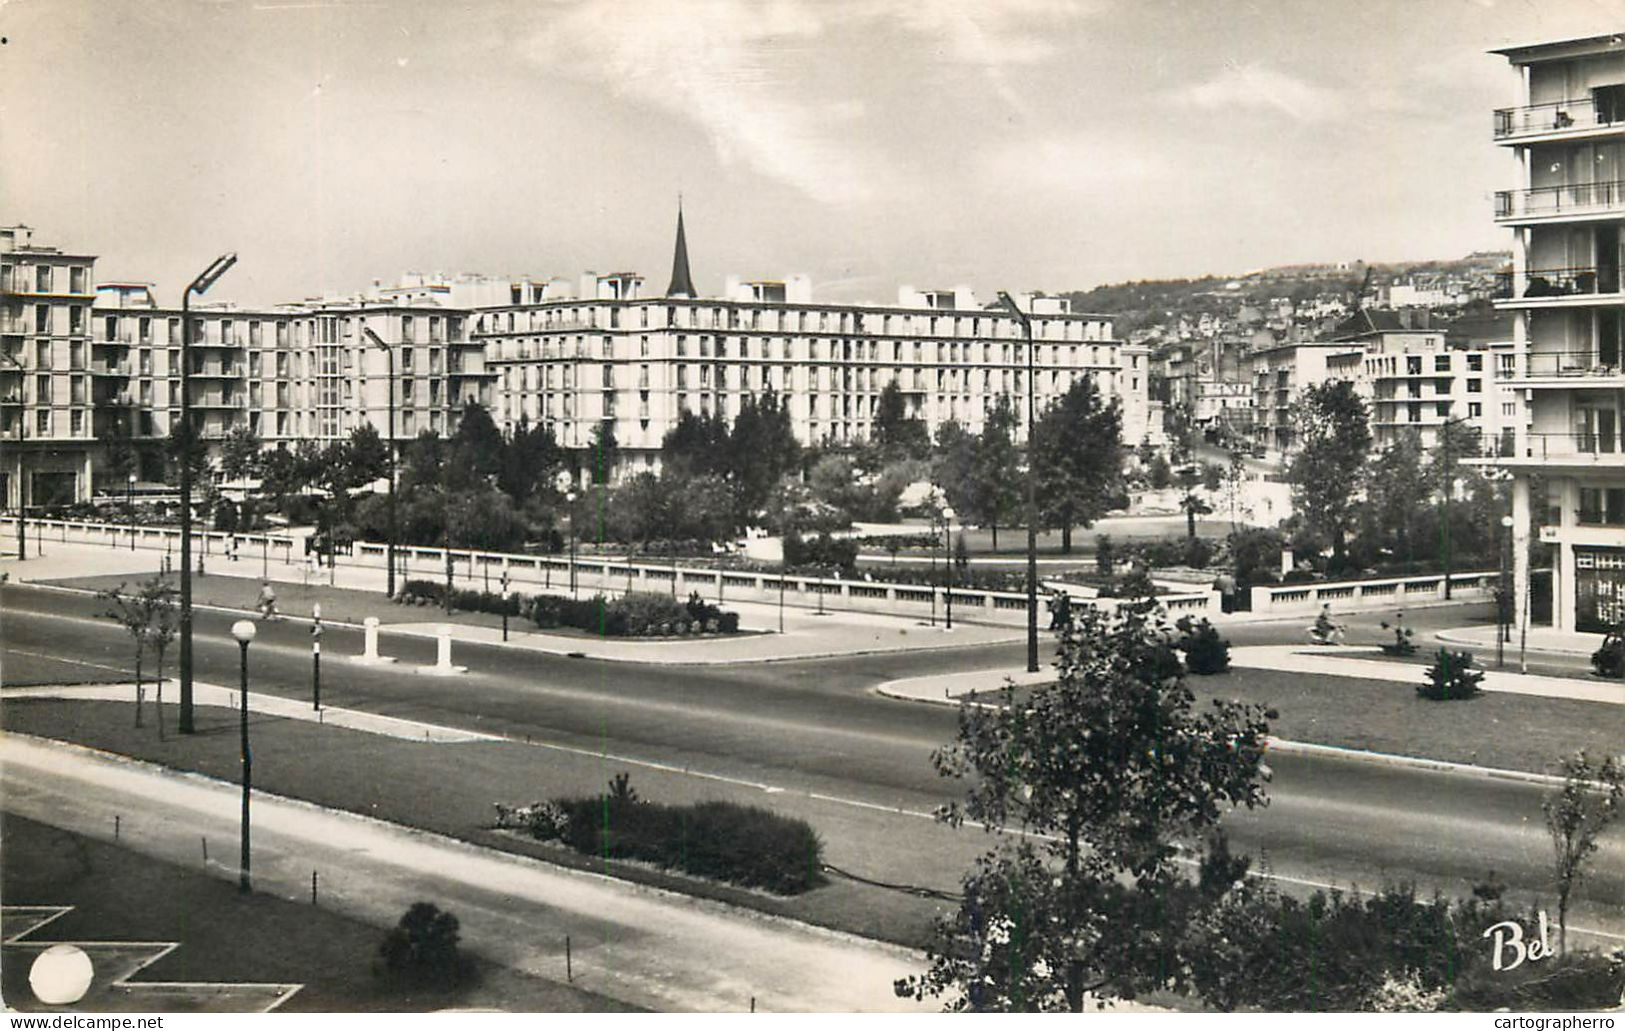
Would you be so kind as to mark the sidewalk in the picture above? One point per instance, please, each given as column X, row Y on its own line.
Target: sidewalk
column 1540, row 639
column 357, row 593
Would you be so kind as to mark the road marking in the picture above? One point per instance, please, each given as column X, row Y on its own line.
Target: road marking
column 57, row 658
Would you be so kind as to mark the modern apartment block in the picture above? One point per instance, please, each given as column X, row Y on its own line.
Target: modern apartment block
column 47, row 371
column 1567, row 217
column 1417, row 379
column 1281, row 374
column 574, row 356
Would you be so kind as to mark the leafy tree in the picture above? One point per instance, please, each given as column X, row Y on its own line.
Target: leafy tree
column 997, row 459
column 184, row 444
column 150, row 616
column 1089, row 784
column 897, row 435
column 1396, row 491
column 698, row 445
column 423, row 463
column 1078, row 454
column 1591, row 797
column 1179, row 423
column 240, row 453
column 476, row 449
column 530, row 460
column 760, row 449
column 603, row 452
column 368, row 455
column 1327, row 471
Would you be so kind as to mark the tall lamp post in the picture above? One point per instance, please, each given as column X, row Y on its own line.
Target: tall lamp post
column 243, row 631
column 22, row 446
column 948, row 562
column 1503, row 622
column 389, row 439
column 198, row 286
column 129, row 505
column 570, row 501
column 1032, row 490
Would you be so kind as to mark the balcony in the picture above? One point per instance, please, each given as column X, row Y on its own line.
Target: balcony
column 1565, row 368
column 1557, row 449
column 1557, row 120
column 1573, row 202
column 1555, row 287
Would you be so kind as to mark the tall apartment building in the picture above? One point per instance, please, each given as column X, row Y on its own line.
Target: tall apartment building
column 1280, row 375
column 47, row 369
column 1567, row 217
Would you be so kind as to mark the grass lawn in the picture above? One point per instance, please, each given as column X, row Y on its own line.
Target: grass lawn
column 385, row 777
column 1508, row 731
column 224, row 936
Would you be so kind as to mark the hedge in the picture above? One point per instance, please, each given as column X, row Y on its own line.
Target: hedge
column 724, row 841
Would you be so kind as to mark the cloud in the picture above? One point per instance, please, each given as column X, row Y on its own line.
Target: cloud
column 1078, row 164
column 1255, row 87
column 740, row 70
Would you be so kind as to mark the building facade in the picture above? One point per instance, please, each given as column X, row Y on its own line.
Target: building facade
column 47, row 371
column 97, row 373
column 1567, row 216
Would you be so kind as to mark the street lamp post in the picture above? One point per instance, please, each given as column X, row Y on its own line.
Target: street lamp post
column 948, row 563
column 22, row 446
column 129, row 506
column 316, row 657
column 1032, row 490
column 570, row 500
column 504, row 604
column 1503, row 624
column 243, row 630
column 199, row 286
column 389, row 438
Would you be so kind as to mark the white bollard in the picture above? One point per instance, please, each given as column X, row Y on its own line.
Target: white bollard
column 443, row 666
column 369, row 655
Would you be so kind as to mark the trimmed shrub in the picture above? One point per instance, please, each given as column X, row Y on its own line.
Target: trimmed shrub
column 723, row 841
column 423, row 947
column 1205, row 650
column 1198, row 552
column 644, row 611
column 1451, row 677
column 1105, row 555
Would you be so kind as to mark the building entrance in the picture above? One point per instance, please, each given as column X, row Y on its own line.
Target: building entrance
column 1599, row 585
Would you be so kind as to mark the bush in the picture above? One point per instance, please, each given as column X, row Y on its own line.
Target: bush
column 823, row 551
column 1105, row 555
column 722, row 841
column 1205, row 651
column 417, row 592
column 1198, row 553
column 1576, row 981
column 644, row 611
column 423, row 946
column 1451, row 677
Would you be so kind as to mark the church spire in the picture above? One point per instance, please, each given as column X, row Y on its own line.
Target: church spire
column 682, row 284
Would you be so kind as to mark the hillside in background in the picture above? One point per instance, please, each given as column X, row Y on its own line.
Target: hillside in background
column 1145, row 303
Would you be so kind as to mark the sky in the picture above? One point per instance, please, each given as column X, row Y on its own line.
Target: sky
column 999, row 144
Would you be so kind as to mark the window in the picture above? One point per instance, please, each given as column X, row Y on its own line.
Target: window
column 42, row 279
column 1413, row 365
column 78, row 422
column 1475, row 363
column 76, row 279
column 1442, row 409
column 42, row 424
column 1474, row 410
column 1441, row 363
column 1475, row 386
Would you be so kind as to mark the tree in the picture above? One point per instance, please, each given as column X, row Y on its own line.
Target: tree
column 476, row 449
column 603, row 452
column 896, row 434
column 184, row 444
column 1591, row 797
column 1396, row 491
column 530, row 460
column 240, row 453
column 1088, row 785
column 150, row 617
column 1078, row 454
column 368, row 455
column 1334, row 436
column 758, row 451
column 997, row 459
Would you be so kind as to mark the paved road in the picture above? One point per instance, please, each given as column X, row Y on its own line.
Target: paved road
column 816, row 732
